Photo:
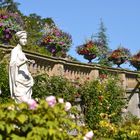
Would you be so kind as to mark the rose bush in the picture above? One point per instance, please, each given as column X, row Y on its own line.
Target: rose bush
column 32, row 120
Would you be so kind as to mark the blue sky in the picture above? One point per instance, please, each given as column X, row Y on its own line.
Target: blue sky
column 81, row 18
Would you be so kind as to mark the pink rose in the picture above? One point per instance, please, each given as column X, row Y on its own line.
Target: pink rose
column 67, row 106
column 51, row 100
column 88, row 135
column 32, row 104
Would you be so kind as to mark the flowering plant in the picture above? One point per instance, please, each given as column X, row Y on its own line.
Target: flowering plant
column 120, row 52
column 135, row 60
column 56, row 40
column 9, row 24
column 90, row 50
column 119, row 56
column 48, row 119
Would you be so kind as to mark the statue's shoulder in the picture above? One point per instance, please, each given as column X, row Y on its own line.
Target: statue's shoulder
column 15, row 50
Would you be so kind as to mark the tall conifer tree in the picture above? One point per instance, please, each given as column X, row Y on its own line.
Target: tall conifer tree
column 103, row 40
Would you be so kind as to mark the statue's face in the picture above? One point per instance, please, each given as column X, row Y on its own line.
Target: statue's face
column 23, row 40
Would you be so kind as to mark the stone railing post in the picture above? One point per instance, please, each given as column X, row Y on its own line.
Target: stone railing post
column 58, row 70
column 94, row 74
column 122, row 77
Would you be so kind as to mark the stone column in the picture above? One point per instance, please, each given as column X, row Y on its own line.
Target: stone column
column 58, row 70
column 123, row 80
column 94, row 74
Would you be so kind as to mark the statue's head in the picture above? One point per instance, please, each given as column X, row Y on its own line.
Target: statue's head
column 22, row 36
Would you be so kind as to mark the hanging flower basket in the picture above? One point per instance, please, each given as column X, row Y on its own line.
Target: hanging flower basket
column 55, row 40
column 89, row 50
column 135, row 61
column 10, row 23
column 119, row 56
column 118, row 61
column 90, row 57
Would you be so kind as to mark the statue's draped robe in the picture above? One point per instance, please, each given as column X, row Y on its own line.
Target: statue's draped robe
column 20, row 79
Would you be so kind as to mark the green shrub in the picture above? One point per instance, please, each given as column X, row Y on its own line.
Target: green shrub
column 129, row 129
column 18, row 121
column 4, row 81
column 55, row 85
column 101, row 96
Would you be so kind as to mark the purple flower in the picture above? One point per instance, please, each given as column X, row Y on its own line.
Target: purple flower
column 51, row 100
column 7, row 36
column 7, row 30
column 53, row 50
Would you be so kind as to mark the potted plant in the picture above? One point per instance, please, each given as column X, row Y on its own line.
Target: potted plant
column 135, row 61
column 119, row 56
column 89, row 50
column 55, row 40
column 10, row 23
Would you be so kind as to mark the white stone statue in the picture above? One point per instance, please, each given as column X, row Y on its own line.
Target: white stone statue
column 20, row 79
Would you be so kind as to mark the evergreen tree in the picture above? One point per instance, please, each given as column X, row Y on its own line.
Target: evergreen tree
column 10, row 5
column 103, row 41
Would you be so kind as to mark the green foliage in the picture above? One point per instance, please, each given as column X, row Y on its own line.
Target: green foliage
column 130, row 129
column 127, row 130
column 4, row 82
column 55, row 85
column 33, row 26
column 101, row 96
column 17, row 121
column 10, row 5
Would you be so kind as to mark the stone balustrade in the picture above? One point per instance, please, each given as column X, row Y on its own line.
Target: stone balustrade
column 73, row 70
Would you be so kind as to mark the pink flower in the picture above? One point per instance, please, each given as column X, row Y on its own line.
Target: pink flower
column 32, row 104
column 4, row 17
column 24, row 99
column 88, row 135
column 1, row 24
column 61, row 100
column 67, row 106
column 51, row 100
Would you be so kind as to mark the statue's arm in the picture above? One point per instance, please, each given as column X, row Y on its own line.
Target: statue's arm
column 27, row 61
